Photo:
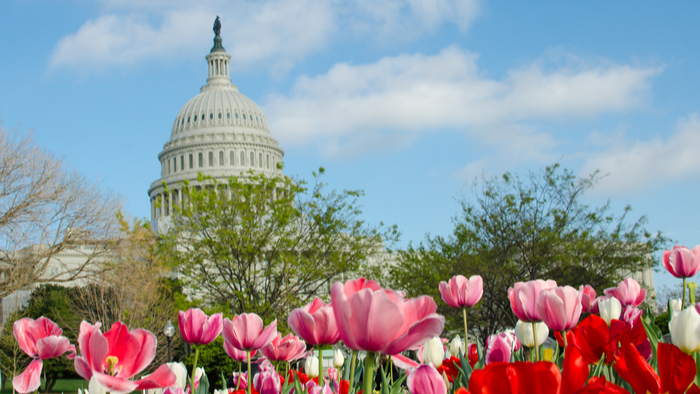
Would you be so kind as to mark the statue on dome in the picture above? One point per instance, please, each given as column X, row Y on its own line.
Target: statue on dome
column 217, row 26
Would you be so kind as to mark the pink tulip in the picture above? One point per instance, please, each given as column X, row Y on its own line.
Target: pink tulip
column 40, row 339
column 426, row 380
column 509, row 336
column 318, row 389
column 378, row 320
column 171, row 390
column 243, row 384
column 523, row 298
column 236, row 354
column 332, row 374
column 245, row 331
column 267, row 381
column 197, row 328
column 587, row 298
column 498, row 349
column 560, row 307
column 288, row 348
column 682, row 262
column 315, row 323
column 462, row 293
column 118, row 355
column 628, row 292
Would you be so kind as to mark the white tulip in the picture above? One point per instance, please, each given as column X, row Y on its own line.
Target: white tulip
column 610, row 308
column 676, row 306
column 523, row 331
column 311, row 366
column 338, row 359
column 180, row 372
column 95, row 387
column 456, row 346
column 198, row 373
column 433, row 352
column 685, row 330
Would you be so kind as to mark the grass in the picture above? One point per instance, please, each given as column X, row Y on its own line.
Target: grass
column 62, row 386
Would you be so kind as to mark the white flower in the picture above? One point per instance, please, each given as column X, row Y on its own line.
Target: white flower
column 433, row 352
column 685, row 330
column 523, row 331
column 610, row 308
column 676, row 306
column 311, row 366
column 180, row 372
column 456, row 346
column 338, row 359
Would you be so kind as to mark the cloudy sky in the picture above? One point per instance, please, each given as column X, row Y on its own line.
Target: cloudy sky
column 407, row 100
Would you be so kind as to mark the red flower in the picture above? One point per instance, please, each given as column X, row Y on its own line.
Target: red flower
column 676, row 370
column 472, row 354
column 303, row 379
column 594, row 338
column 449, row 367
column 516, row 378
column 601, row 386
column 344, row 387
column 574, row 370
column 461, row 390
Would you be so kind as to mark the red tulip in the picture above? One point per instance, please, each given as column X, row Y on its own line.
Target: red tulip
column 449, row 368
column 40, row 339
column 594, row 338
column 628, row 292
column 461, row 292
column 601, row 386
column 473, row 354
column 197, row 328
column 378, row 320
column 682, row 262
column 344, row 387
column 560, row 307
column 118, row 355
column 284, row 349
column 315, row 323
column 237, row 354
column 245, row 332
column 575, row 371
column 523, row 298
column 676, row 370
column 425, row 380
column 587, row 298
column 516, row 378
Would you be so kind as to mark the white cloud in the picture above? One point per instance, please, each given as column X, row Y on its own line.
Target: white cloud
column 413, row 94
column 633, row 166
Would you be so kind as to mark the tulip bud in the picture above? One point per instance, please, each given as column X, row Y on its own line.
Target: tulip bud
column 338, row 359
column 456, row 347
column 685, row 330
column 523, row 331
column 426, row 380
column 609, row 308
column 433, row 352
column 311, row 366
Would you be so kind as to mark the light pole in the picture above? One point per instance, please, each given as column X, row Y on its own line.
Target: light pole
column 169, row 331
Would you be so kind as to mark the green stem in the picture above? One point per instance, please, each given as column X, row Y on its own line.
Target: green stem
column 683, row 298
column 563, row 337
column 466, row 335
column 238, row 381
column 320, row 365
column 391, row 369
column 368, row 375
column 194, row 368
column 534, row 340
column 352, row 368
column 250, row 381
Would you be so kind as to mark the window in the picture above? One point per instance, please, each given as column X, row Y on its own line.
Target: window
column 252, row 159
column 191, row 161
column 188, row 119
column 211, row 116
column 243, row 116
column 200, row 159
column 242, row 162
column 174, row 164
column 260, row 160
column 168, row 166
column 202, row 116
column 267, row 161
column 221, row 158
column 211, row 159
column 182, row 163
column 228, row 115
column 236, row 115
column 231, row 158
column 219, row 115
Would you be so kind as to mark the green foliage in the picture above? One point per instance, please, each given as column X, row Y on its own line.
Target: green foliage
column 267, row 244
column 214, row 360
column 517, row 229
column 661, row 322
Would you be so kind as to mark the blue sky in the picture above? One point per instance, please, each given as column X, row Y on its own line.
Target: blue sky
column 407, row 100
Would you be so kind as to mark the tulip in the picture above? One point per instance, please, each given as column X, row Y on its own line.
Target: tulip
column 311, row 366
column 315, row 323
column 198, row 373
column 171, row 390
column 40, row 339
column 180, row 372
column 108, row 361
column 523, row 331
column 240, row 380
column 426, row 380
column 676, row 370
column 675, row 306
column 472, row 354
column 332, row 374
column 321, row 389
column 288, row 348
column 628, row 292
column 685, row 330
column 245, row 332
column 197, row 328
column 498, row 349
column 236, row 354
column 509, row 335
column 463, row 293
column 587, row 298
column 523, row 298
column 560, row 308
column 682, row 262
column 609, row 308
column 456, row 346
column 433, row 352
column 338, row 359
column 267, row 381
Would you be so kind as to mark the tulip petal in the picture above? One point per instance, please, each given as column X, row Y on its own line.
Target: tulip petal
column 52, row 346
column 303, row 324
column 375, row 319
column 417, row 333
column 113, row 384
column 98, row 348
column 676, row 369
column 21, row 329
column 161, row 377
column 30, row 379
column 235, row 354
column 574, row 371
column 211, row 329
column 403, row 362
column 446, row 295
column 82, row 368
column 266, row 336
column 147, row 352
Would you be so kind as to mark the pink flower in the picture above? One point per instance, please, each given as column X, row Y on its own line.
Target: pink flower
column 560, row 307
column 682, row 262
column 237, row 354
column 498, row 349
column 587, row 298
column 245, row 332
column 267, row 381
column 628, row 292
column 40, row 339
column 462, row 293
column 333, row 374
column 171, row 390
column 318, row 389
column 243, row 380
column 377, row 320
column 118, row 355
column 288, row 348
column 197, row 328
column 315, row 323
column 426, row 380
column 509, row 336
column 523, row 298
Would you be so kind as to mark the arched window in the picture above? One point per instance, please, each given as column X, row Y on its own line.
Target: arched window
column 219, row 115
column 211, row 116
column 267, row 161
column 191, row 164
column 260, row 160
column 168, row 166
column 242, row 161
column 221, row 158
column 200, row 159
column 174, row 164
column 231, row 158
column 182, row 163
column 211, row 159
column 252, row 159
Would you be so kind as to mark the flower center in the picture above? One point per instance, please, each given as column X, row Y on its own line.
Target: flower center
column 112, row 365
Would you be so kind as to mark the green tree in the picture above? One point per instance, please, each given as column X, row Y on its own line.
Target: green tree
column 517, row 229
column 268, row 244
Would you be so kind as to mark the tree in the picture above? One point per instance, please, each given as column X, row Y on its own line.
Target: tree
column 520, row 230
column 268, row 244
column 46, row 209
